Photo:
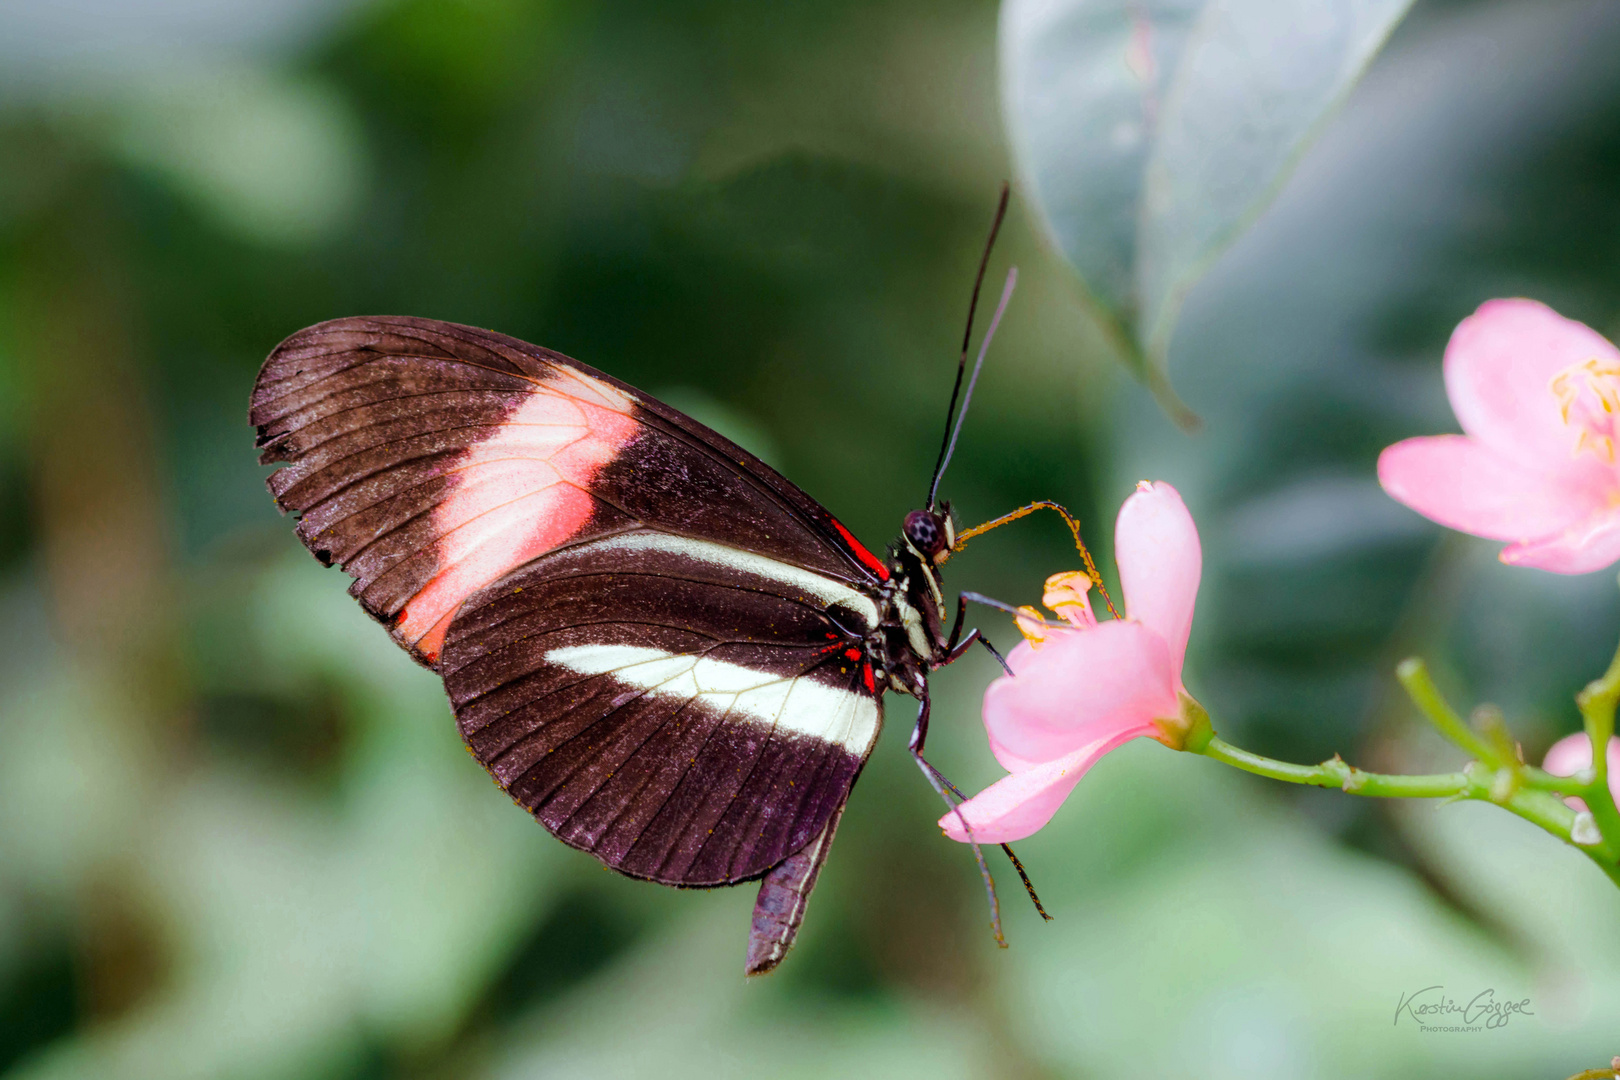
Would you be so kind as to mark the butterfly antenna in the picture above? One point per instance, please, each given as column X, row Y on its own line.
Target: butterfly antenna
column 973, row 380
column 967, row 337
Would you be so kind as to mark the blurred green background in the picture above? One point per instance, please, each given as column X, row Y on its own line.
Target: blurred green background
column 238, row 834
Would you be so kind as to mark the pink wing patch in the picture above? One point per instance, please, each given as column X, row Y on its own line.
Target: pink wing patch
column 518, row 495
column 429, row 460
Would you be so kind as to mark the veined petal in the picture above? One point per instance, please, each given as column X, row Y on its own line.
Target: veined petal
column 1587, row 545
column 1463, row 484
column 1160, row 561
column 1019, row 805
column 1077, row 687
column 1499, row 365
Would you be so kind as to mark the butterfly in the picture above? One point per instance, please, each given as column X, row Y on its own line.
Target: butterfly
column 659, row 646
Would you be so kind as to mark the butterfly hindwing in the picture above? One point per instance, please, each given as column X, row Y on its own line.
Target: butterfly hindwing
column 429, row 459
column 684, row 710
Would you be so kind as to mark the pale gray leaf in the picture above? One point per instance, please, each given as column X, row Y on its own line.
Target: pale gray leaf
column 1148, row 133
column 1255, row 81
column 1081, row 82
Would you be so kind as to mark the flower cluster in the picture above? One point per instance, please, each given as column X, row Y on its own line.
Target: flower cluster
column 1538, row 398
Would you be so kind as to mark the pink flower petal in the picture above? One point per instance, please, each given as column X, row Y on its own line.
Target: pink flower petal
column 1160, row 561
column 1018, row 659
column 1499, row 364
column 1582, row 548
column 1078, row 687
column 1569, row 756
column 1464, row 485
column 1019, row 805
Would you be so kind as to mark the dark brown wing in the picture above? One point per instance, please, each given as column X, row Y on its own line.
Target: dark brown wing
column 684, row 710
column 429, row 459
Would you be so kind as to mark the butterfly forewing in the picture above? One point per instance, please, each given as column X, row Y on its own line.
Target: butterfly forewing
column 429, row 459
column 686, row 711
column 654, row 642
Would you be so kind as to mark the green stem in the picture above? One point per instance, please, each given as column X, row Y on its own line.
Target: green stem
column 1547, row 811
column 1605, row 864
column 1541, row 808
column 1597, row 704
column 1550, row 813
column 1336, row 774
column 1497, row 775
column 1528, row 792
column 1541, row 780
column 1414, row 676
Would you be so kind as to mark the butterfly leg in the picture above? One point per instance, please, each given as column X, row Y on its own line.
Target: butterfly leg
column 962, row 646
column 920, row 735
column 951, row 649
column 936, row 780
column 1023, row 875
column 954, row 649
column 1002, row 660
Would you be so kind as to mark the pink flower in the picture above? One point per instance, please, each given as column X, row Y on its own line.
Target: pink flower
column 1573, row 753
column 1079, row 691
column 1537, row 395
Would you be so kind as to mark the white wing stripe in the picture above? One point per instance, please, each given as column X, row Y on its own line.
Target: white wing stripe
column 797, row 705
column 825, row 589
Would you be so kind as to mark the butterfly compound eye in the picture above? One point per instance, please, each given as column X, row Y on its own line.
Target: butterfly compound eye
column 925, row 532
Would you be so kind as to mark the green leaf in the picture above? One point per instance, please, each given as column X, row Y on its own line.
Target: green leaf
column 1149, row 134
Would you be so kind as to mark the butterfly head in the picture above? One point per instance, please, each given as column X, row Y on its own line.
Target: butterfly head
column 931, row 534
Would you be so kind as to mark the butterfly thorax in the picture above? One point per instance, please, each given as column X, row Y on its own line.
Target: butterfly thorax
column 910, row 640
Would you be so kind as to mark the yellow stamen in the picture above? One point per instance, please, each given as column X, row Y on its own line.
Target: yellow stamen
column 1066, row 594
column 1588, row 396
column 1032, row 625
